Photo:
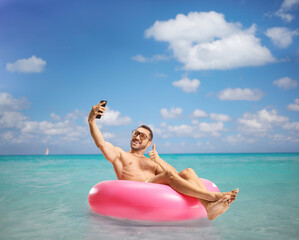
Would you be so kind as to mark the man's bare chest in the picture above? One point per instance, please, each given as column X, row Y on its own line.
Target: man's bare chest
column 142, row 164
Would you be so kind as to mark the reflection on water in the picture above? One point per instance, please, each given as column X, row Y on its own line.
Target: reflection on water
column 112, row 228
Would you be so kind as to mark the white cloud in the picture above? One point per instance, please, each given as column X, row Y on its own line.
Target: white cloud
column 108, row 135
column 280, row 137
column 7, row 136
column 193, row 131
column 197, row 113
column 155, row 58
column 160, row 75
column 247, row 94
column 187, row 85
column 12, row 119
column 29, row 65
column 220, row 117
column 139, row 58
column 286, row 6
column 294, row 106
column 211, row 128
column 205, row 40
column 181, row 130
column 55, row 116
column 235, row 139
column 172, row 113
column 285, row 83
column 9, row 107
column 23, row 130
column 66, row 130
column 113, row 118
column 261, row 122
column 283, row 138
column 281, row 36
column 15, row 127
column 291, row 126
column 9, row 103
column 75, row 115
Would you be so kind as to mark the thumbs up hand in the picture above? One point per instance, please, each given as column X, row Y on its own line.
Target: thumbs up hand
column 154, row 156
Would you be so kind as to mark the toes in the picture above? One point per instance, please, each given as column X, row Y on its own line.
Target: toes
column 225, row 199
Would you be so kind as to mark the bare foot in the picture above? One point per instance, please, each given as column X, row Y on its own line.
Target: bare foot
column 231, row 194
column 215, row 209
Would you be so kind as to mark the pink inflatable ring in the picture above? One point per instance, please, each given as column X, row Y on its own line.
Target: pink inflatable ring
column 145, row 201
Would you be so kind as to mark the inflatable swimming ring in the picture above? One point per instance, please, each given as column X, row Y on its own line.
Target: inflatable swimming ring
column 145, row 201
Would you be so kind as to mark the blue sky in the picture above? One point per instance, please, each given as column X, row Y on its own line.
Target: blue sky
column 207, row 76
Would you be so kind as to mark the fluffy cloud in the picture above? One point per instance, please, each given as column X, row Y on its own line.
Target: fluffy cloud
column 235, row 139
column 285, row 83
column 15, row 127
column 195, row 131
column 294, row 106
column 29, row 65
column 9, row 103
column 12, row 119
column 55, row 116
column 247, row 94
column 211, row 128
column 66, row 129
column 113, row 118
column 139, row 58
column 261, row 122
column 220, row 117
column 75, row 115
column 9, row 115
column 172, row 113
column 286, row 6
column 281, row 36
column 155, row 58
column 283, row 138
column 197, row 113
column 205, row 40
column 187, row 85
column 180, row 131
column 108, row 135
column 294, row 126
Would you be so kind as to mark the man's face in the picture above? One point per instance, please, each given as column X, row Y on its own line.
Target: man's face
column 141, row 139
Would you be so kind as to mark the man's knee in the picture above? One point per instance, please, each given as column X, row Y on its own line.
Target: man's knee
column 187, row 173
column 171, row 175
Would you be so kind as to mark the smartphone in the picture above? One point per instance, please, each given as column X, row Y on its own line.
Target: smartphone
column 104, row 105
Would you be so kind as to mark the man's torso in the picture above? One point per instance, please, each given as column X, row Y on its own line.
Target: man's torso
column 133, row 168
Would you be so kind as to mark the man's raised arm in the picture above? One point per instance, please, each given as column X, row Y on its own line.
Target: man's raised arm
column 110, row 152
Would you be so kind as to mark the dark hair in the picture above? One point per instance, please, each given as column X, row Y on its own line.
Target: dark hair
column 150, row 130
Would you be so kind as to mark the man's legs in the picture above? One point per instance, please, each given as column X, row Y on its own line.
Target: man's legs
column 189, row 175
column 188, row 183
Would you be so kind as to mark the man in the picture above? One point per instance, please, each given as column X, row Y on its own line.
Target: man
column 134, row 166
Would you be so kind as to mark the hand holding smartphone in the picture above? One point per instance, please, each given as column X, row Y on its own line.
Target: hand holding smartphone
column 103, row 105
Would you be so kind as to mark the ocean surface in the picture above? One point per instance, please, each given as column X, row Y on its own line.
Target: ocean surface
column 45, row 197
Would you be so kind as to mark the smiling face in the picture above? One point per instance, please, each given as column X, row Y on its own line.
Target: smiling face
column 140, row 139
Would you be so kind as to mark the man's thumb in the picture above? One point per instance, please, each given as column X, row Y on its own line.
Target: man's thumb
column 154, row 147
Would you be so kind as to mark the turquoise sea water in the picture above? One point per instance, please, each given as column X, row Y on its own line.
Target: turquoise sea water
column 45, row 197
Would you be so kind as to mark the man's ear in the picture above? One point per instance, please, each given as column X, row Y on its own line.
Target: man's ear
column 149, row 143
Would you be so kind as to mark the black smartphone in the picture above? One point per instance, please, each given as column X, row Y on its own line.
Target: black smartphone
column 104, row 105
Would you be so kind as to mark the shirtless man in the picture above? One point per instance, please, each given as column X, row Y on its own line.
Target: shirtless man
column 134, row 166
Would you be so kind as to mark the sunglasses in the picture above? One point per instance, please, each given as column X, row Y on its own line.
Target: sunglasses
column 142, row 135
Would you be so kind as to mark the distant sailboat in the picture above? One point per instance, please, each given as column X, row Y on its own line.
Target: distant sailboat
column 47, row 151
